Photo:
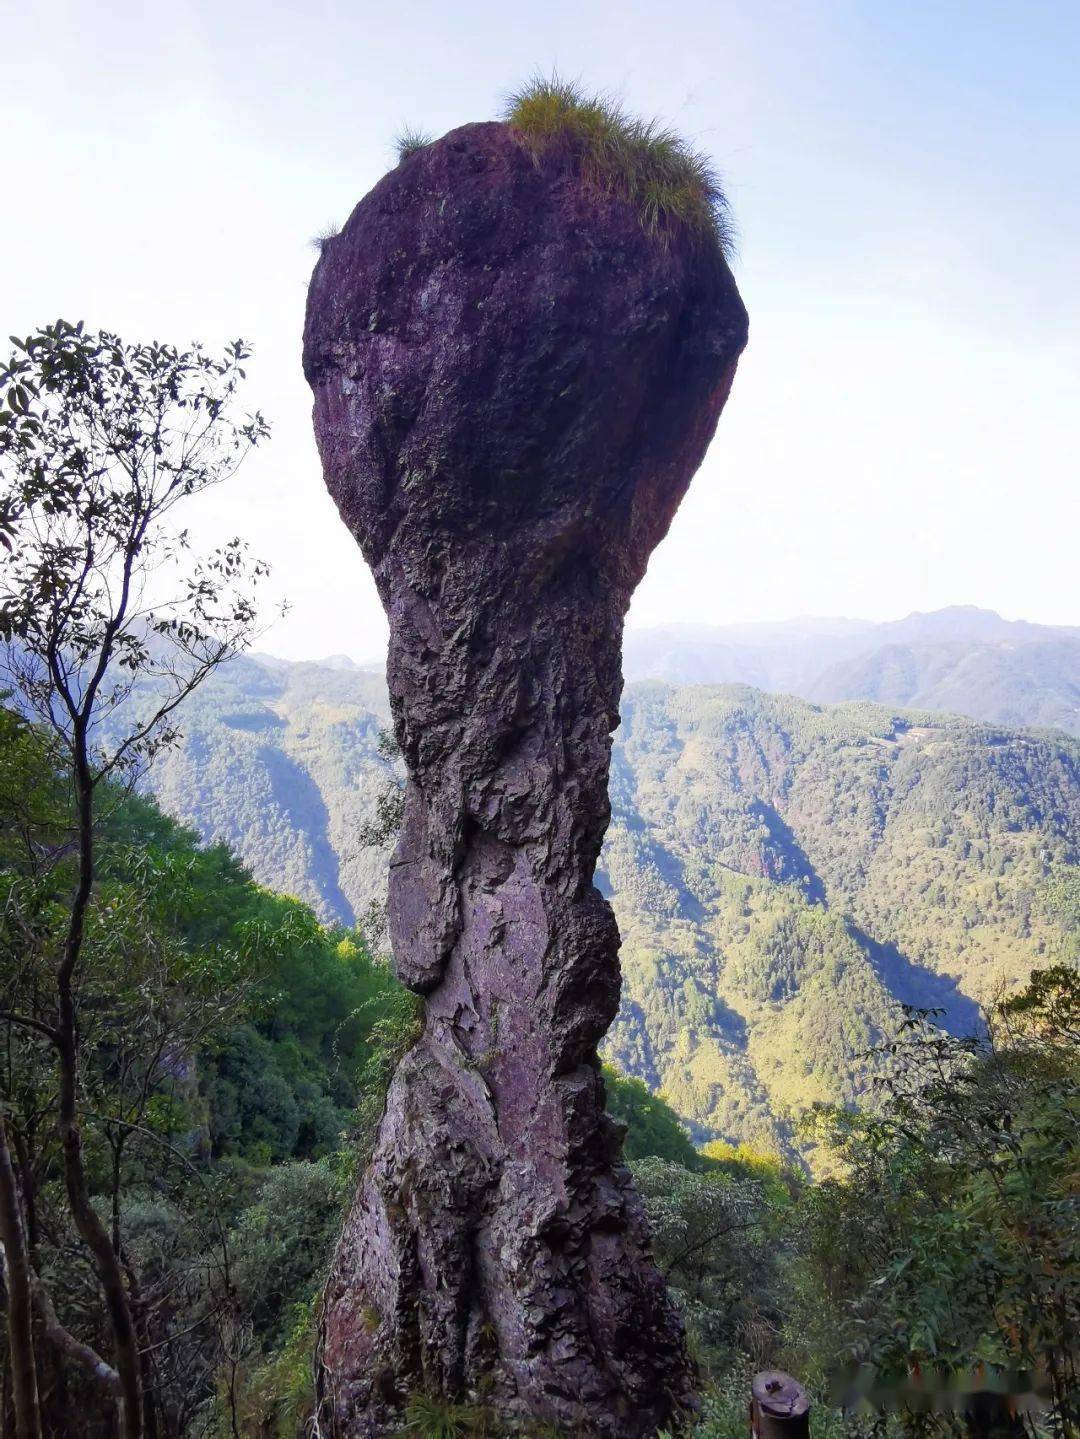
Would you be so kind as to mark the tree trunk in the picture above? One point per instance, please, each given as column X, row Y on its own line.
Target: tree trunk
column 20, row 1310
column 89, row 1226
column 513, row 386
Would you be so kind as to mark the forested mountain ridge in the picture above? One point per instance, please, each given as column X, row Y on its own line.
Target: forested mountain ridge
column 785, row 874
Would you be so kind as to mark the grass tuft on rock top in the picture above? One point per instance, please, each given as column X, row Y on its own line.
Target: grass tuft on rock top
column 322, row 239
column 410, row 141
column 670, row 181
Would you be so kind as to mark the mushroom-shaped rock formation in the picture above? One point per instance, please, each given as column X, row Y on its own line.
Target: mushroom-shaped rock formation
column 517, row 369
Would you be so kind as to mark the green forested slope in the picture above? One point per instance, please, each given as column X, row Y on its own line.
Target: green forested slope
column 281, row 763
column 785, row 874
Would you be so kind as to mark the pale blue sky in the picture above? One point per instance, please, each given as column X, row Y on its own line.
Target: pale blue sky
column 905, row 427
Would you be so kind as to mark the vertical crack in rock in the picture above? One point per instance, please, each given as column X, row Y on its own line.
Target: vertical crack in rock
column 514, row 381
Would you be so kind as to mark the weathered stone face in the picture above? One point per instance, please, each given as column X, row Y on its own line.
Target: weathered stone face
column 514, row 383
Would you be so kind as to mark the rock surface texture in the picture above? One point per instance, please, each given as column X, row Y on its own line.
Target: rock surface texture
column 514, row 381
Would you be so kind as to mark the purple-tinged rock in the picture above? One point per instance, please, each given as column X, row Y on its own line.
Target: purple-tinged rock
column 514, row 382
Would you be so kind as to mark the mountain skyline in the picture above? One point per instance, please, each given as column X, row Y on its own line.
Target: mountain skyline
column 957, row 621
column 959, row 660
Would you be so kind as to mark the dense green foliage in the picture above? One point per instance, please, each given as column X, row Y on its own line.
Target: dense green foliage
column 104, row 444
column 953, row 1240
column 937, row 1272
column 281, row 1081
column 231, row 1045
column 715, row 1235
column 785, row 875
column 652, row 1128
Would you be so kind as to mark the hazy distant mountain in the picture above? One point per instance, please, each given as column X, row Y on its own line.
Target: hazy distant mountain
column 771, row 655
column 784, row 874
column 1036, row 682
column 962, row 659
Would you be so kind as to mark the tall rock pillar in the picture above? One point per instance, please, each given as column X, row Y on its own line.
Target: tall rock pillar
column 514, row 381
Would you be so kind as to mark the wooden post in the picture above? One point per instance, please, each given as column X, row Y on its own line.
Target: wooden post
column 779, row 1407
